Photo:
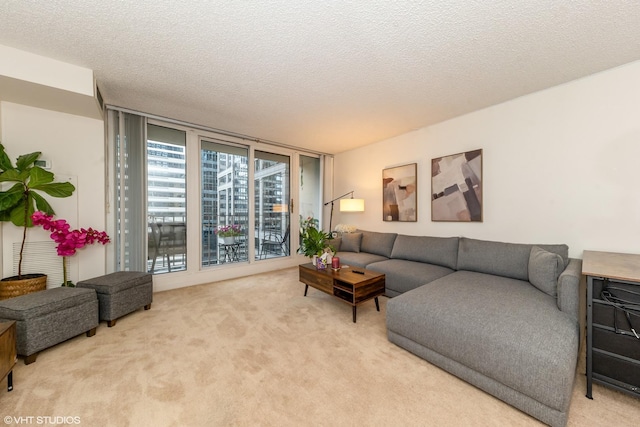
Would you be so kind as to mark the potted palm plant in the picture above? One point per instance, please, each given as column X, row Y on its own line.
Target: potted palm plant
column 18, row 202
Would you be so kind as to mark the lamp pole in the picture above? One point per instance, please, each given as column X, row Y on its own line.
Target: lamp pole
column 331, row 201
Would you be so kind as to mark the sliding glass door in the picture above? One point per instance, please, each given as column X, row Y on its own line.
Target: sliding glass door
column 272, row 207
column 224, row 202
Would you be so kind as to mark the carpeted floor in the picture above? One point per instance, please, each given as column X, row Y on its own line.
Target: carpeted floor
column 254, row 351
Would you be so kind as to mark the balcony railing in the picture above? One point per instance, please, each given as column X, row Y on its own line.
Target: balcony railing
column 168, row 250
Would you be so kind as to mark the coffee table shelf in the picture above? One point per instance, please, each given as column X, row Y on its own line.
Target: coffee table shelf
column 344, row 284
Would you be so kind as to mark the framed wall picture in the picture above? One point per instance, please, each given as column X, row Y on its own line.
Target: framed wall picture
column 399, row 193
column 456, row 187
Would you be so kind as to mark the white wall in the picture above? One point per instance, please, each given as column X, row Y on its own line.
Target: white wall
column 558, row 166
column 21, row 65
column 75, row 146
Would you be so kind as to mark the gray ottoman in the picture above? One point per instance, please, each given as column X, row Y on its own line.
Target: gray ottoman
column 49, row 317
column 121, row 293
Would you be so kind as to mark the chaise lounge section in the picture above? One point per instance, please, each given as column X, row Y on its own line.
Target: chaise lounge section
column 501, row 316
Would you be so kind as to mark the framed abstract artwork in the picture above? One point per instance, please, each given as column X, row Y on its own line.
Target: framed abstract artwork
column 399, row 193
column 456, row 187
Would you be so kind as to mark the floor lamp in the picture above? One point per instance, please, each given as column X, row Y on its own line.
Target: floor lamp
column 346, row 205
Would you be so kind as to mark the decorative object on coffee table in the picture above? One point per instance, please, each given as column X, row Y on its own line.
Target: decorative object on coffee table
column 456, row 187
column 399, row 193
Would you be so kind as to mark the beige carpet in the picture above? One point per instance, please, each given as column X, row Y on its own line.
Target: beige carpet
column 254, row 351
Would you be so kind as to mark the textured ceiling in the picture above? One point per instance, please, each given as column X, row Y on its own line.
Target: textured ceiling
column 327, row 75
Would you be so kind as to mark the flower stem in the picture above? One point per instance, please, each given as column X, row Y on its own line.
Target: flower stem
column 64, row 271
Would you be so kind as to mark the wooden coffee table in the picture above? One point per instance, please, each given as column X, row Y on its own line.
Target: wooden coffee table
column 348, row 286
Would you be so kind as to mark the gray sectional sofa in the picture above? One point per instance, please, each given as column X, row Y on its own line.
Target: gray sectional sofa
column 501, row 316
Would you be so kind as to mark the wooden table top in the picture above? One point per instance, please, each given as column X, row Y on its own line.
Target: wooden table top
column 612, row 265
column 345, row 274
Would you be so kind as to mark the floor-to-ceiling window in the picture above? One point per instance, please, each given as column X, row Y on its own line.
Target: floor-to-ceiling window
column 310, row 194
column 310, row 190
column 198, row 202
column 224, row 183
column 166, row 199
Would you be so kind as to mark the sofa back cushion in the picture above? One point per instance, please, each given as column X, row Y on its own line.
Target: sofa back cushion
column 335, row 242
column 502, row 259
column 351, row 242
column 544, row 269
column 432, row 250
column 377, row 243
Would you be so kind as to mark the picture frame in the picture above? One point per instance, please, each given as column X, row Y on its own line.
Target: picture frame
column 456, row 187
column 400, row 193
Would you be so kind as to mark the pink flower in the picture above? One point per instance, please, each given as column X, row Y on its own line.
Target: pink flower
column 68, row 240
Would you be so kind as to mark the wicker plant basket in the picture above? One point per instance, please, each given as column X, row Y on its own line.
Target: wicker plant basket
column 14, row 287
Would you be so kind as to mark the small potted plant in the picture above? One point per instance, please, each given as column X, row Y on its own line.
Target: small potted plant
column 18, row 202
column 229, row 233
column 312, row 240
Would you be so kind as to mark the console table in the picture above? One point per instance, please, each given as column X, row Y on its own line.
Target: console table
column 8, row 356
column 613, row 351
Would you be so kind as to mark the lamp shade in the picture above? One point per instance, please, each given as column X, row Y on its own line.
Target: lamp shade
column 352, row 205
column 280, row 208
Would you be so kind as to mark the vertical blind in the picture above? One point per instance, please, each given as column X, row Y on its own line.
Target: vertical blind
column 127, row 136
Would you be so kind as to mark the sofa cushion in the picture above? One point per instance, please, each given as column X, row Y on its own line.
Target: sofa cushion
column 503, row 259
column 402, row 275
column 351, row 242
column 358, row 259
column 433, row 250
column 502, row 328
column 544, row 269
column 335, row 243
column 377, row 243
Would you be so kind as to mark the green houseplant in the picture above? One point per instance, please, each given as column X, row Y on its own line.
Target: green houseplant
column 27, row 194
column 312, row 240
